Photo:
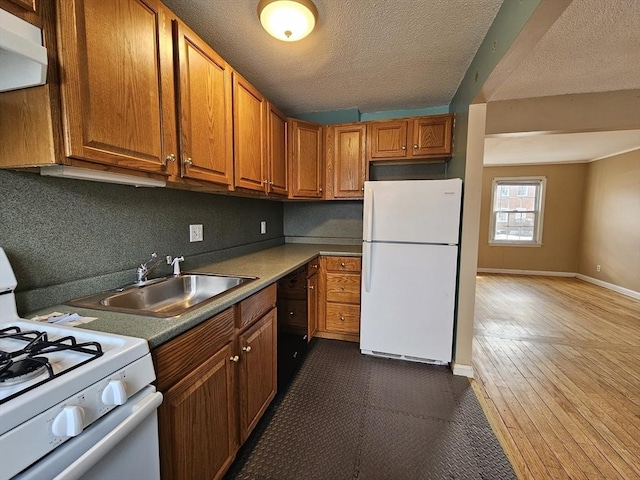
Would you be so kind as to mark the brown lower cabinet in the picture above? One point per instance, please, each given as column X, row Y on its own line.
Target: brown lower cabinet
column 339, row 298
column 217, row 379
column 257, row 371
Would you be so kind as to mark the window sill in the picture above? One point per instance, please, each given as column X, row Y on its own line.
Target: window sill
column 511, row 244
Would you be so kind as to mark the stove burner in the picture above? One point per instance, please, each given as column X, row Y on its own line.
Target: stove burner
column 22, row 370
column 28, row 362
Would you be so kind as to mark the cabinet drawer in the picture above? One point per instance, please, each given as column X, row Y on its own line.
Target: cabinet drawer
column 344, row 264
column 292, row 316
column 312, row 267
column 256, row 306
column 343, row 318
column 176, row 358
column 343, row 287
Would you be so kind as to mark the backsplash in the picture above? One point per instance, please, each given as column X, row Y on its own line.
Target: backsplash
column 337, row 222
column 66, row 238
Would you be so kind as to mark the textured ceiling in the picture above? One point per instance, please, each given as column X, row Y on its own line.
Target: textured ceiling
column 558, row 148
column 593, row 47
column 373, row 55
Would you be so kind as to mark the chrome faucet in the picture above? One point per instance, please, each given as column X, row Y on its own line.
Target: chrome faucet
column 143, row 271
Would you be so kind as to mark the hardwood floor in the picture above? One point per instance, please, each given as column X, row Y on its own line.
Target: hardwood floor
column 557, row 364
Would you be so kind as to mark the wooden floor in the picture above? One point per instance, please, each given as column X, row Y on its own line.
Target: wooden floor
column 557, row 365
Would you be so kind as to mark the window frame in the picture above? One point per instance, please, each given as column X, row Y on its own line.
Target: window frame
column 541, row 186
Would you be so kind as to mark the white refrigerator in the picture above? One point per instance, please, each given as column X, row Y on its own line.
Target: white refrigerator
column 409, row 268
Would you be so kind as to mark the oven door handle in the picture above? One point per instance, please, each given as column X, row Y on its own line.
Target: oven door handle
column 140, row 412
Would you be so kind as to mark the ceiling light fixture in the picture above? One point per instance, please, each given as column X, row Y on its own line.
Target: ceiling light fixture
column 288, row 20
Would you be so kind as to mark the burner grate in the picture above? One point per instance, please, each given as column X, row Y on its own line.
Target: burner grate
column 29, row 361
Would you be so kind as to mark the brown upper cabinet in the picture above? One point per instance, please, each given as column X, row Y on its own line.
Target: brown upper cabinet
column 346, row 160
column 118, row 101
column 410, row 138
column 276, row 151
column 26, row 4
column 305, row 146
column 204, row 109
column 249, row 127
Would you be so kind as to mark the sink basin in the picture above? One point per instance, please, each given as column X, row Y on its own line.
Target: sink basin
column 167, row 297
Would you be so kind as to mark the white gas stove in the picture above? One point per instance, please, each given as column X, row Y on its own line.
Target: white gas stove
column 60, row 383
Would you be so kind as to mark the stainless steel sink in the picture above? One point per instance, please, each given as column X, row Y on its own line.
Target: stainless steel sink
column 167, row 297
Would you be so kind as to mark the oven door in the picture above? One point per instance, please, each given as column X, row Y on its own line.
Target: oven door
column 122, row 444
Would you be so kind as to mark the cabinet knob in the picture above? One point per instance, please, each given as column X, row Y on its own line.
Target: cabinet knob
column 264, row 182
column 188, row 162
column 404, row 147
column 170, row 158
column 315, row 265
column 342, row 319
column 270, row 183
column 235, row 359
column 321, row 190
column 310, row 287
column 291, row 312
column 246, row 349
column 415, row 146
column 362, row 189
column 342, row 264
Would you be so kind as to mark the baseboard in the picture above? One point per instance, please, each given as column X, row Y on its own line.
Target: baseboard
column 526, row 272
column 616, row 288
column 462, row 370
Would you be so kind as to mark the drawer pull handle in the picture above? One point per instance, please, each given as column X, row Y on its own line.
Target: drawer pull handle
column 246, row 349
column 235, row 359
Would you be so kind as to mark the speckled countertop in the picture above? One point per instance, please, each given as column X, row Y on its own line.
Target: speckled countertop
column 268, row 265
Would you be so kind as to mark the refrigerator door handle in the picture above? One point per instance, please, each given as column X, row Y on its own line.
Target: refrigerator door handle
column 366, row 267
column 368, row 214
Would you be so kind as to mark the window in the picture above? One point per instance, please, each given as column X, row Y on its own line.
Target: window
column 517, row 208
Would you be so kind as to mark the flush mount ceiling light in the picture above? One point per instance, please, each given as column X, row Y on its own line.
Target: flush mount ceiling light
column 288, row 20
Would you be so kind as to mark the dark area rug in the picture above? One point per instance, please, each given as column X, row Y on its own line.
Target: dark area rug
column 351, row 416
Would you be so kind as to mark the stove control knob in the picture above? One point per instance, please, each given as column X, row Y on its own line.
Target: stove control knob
column 114, row 393
column 69, row 422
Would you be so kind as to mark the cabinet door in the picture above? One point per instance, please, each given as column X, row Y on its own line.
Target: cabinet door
column 347, row 160
column 26, row 4
column 117, row 87
column 312, row 306
column 276, row 150
column 432, row 136
column 196, row 422
column 257, row 371
column 305, row 159
column 249, row 108
column 387, row 139
column 204, row 110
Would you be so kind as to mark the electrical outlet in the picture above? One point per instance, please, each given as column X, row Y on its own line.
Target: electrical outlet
column 263, row 227
column 597, row 268
column 195, row 233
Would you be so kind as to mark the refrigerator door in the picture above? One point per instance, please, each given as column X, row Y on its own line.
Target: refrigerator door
column 414, row 211
column 408, row 296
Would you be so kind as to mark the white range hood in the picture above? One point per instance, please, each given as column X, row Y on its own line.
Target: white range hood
column 23, row 59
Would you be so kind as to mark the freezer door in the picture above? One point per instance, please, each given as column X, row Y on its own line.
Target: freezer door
column 414, row 211
column 408, row 297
